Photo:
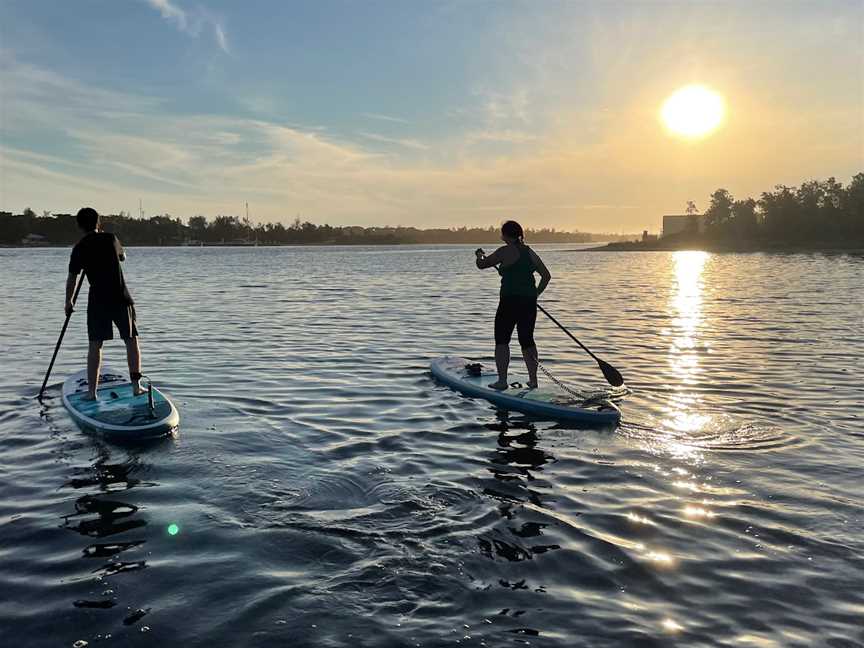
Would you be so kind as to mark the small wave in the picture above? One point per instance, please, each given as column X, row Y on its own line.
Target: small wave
column 714, row 435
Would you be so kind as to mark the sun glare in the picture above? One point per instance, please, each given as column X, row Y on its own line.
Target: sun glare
column 693, row 111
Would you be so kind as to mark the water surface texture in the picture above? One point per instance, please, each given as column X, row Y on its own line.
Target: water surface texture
column 324, row 491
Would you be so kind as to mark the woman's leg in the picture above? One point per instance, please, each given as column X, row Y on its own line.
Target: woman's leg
column 527, row 321
column 502, row 363
column 531, row 360
column 505, row 322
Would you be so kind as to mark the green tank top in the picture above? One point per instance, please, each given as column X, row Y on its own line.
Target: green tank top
column 518, row 279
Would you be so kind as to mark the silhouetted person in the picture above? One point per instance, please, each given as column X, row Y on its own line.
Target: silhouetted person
column 109, row 303
column 517, row 307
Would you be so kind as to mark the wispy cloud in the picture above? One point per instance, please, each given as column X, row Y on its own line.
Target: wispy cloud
column 192, row 22
column 405, row 142
column 387, row 118
column 507, row 135
column 221, row 38
column 170, row 12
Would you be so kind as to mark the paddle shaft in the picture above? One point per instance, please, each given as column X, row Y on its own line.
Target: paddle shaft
column 62, row 333
column 572, row 337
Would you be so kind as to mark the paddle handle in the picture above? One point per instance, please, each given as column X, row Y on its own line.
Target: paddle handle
column 62, row 333
column 572, row 337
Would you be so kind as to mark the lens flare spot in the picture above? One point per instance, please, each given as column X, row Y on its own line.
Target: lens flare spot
column 173, row 529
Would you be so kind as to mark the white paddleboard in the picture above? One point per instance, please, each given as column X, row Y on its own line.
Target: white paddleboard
column 117, row 413
column 544, row 402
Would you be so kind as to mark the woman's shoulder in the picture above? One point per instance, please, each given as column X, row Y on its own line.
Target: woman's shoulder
column 532, row 254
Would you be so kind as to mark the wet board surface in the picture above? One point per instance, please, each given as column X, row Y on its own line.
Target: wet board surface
column 117, row 412
column 544, row 402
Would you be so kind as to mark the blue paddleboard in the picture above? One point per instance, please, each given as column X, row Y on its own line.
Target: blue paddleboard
column 544, row 402
column 117, row 413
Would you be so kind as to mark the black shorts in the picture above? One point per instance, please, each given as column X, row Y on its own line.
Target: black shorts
column 518, row 312
column 101, row 317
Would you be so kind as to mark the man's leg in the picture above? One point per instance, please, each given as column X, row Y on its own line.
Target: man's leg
column 94, row 362
column 133, row 357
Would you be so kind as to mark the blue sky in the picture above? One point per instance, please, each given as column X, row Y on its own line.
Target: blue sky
column 419, row 113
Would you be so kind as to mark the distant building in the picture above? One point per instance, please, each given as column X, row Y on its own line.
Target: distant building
column 680, row 223
column 647, row 238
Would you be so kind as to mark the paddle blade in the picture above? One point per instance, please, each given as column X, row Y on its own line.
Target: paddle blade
column 611, row 374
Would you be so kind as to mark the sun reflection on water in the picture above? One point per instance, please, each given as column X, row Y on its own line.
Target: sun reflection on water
column 686, row 305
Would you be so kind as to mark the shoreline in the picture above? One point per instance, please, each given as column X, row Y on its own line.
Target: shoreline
column 718, row 247
column 620, row 246
column 18, row 246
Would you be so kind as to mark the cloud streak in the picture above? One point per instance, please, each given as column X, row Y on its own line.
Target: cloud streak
column 386, row 118
column 399, row 141
column 192, row 22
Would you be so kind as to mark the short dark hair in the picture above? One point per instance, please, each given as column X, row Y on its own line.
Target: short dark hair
column 512, row 229
column 88, row 219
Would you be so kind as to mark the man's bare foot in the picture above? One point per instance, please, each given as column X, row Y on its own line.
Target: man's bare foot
column 498, row 385
column 532, row 385
column 137, row 389
column 89, row 397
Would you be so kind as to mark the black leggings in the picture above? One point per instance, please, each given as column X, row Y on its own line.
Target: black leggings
column 519, row 312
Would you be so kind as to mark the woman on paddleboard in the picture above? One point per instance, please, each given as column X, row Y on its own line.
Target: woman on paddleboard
column 517, row 308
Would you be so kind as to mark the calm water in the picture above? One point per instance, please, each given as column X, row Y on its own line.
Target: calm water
column 329, row 493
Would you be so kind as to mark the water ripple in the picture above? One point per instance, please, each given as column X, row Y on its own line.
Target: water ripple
column 323, row 490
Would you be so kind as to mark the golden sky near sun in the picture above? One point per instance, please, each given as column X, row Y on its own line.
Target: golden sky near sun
column 597, row 117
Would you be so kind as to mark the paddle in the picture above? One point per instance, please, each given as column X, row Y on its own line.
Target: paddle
column 60, row 339
column 612, row 375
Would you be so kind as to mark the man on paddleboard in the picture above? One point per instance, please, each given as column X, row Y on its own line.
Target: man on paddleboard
column 98, row 254
column 517, row 308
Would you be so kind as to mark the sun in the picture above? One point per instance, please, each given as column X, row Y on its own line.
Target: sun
column 693, row 111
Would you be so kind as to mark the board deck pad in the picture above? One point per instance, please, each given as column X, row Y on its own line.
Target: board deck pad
column 116, row 411
column 545, row 401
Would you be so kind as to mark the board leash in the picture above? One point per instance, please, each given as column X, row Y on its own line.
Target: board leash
column 583, row 399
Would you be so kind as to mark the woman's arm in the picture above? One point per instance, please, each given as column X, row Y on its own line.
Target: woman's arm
column 493, row 259
column 545, row 275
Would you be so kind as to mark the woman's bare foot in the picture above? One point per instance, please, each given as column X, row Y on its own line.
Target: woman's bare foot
column 137, row 389
column 498, row 385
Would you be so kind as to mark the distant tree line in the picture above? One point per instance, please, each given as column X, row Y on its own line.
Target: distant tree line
column 61, row 229
column 812, row 214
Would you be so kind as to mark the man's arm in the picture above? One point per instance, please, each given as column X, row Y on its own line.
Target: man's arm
column 71, row 281
column 545, row 275
column 118, row 246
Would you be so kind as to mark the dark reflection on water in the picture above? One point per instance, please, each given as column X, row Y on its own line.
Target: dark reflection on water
column 101, row 514
column 325, row 491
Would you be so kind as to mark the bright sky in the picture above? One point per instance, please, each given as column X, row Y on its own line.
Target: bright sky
column 420, row 113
